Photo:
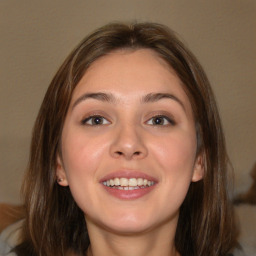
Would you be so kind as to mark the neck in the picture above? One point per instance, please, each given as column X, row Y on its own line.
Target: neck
column 155, row 242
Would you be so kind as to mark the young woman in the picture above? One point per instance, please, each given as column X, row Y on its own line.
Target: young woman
column 128, row 155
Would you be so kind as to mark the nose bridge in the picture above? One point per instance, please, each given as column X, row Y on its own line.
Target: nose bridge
column 128, row 141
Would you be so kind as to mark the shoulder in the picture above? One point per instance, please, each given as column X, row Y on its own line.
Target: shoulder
column 237, row 252
column 9, row 238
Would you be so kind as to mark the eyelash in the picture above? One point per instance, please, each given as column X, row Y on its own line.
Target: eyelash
column 89, row 120
column 164, row 120
column 167, row 121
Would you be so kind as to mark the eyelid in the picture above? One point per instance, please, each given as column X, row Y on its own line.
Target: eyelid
column 169, row 119
column 85, row 120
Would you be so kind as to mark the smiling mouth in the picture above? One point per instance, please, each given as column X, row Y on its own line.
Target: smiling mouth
column 128, row 184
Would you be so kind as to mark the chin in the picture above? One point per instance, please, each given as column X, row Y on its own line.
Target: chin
column 127, row 223
column 122, row 219
column 129, row 228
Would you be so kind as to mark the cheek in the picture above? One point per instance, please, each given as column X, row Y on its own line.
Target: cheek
column 177, row 153
column 175, row 157
column 81, row 154
column 82, row 158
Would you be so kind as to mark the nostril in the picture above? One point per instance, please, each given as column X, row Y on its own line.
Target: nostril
column 120, row 153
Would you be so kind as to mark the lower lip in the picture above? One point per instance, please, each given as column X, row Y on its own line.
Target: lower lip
column 129, row 194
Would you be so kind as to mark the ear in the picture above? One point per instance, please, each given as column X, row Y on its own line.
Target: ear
column 198, row 172
column 61, row 176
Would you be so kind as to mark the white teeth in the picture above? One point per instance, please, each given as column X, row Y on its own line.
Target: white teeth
column 124, row 182
column 140, row 182
column 117, row 182
column 133, row 182
column 128, row 184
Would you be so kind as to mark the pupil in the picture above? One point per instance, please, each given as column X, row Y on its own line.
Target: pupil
column 97, row 120
column 158, row 120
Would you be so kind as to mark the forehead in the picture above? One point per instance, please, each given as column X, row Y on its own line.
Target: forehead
column 131, row 73
column 124, row 66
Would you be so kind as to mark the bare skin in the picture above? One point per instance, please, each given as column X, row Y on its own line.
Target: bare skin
column 149, row 243
column 129, row 115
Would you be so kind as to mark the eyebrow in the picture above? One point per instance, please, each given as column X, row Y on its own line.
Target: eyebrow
column 101, row 96
column 153, row 97
column 109, row 97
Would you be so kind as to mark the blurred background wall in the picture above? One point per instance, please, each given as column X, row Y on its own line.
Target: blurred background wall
column 36, row 36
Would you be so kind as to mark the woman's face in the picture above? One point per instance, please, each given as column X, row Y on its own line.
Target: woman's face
column 129, row 143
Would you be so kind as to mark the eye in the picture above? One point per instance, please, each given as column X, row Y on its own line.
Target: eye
column 95, row 120
column 160, row 120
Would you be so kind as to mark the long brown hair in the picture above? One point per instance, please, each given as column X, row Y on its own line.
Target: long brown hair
column 54, row 224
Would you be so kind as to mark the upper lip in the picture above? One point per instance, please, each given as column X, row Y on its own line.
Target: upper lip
column 126, row 173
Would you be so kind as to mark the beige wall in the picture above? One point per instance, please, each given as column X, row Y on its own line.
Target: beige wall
column 35, row 37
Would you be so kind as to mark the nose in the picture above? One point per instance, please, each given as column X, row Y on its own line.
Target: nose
column 128, row 143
